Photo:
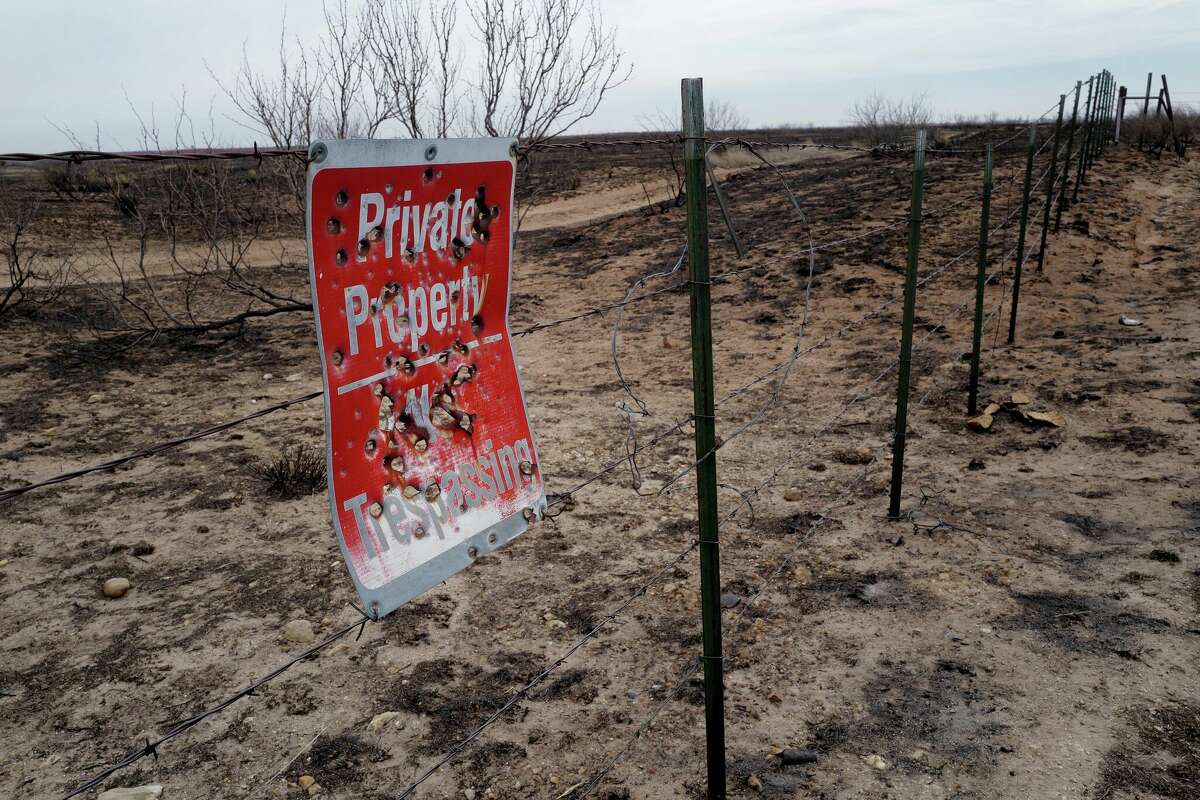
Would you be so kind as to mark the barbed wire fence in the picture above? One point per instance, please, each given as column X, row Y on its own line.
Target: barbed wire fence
column 864, row 398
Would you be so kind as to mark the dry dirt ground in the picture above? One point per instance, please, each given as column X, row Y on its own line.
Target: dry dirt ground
column 1031, row 629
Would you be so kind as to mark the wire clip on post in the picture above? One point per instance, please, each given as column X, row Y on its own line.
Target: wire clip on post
column 706, row 465
column 1022, row 228
column 980, row 282
column 906, row 332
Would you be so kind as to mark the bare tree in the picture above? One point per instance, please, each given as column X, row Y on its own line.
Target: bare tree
column 721, row 116
column 284, row 106
column 546, row 66
column 884, row 120
column 542, row 67
column 353, row 101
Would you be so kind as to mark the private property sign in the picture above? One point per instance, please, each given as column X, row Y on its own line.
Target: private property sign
column 431, row 460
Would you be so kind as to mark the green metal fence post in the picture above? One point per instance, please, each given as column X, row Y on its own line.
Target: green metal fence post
column 906, row 329
column 692, row 90
column 1062, row 104
column 1105, row 117
column 1066, row 173
column 1021, row 230
column 1085, row 130
column 980, row 282
column 1109, row 110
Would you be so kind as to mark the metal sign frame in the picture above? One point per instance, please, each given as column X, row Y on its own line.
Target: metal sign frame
column 431, row 462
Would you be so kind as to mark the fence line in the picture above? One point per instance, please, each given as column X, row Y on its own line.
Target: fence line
column 563, row 500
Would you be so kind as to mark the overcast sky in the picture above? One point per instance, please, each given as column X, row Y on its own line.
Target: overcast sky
column 72, row 63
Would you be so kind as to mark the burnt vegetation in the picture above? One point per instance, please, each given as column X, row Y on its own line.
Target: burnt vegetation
column 298, row 471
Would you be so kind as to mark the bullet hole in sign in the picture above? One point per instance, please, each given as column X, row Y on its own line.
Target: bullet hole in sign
column 334, row 225
column 340, row 257
column 341, row 198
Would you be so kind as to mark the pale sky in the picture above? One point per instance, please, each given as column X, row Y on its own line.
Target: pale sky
column 72, row 63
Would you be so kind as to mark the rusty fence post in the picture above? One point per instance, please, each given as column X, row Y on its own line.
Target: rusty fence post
column 1145, row 110
column 692, row 91
column 1119, row 116
column 906, row 330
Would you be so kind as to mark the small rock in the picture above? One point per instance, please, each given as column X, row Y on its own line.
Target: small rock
column 150, row 791
column 299, row 630
column 817, row 466
column 380, row 721
column 1046, row 418
column 754, row 783
column 891, row 537
column 306, row 781
column 792, row 755
column 875, row 761
column 976, row 464
column 730, row 600
column 992, row 409
column 793, row 494
column 633, row 694
column 918, row 755
column 314, row 790
column 267, row 376
column 469, row 793
column 1020, row 399
column 981, row 423
column 116, row 587
column 1130, row 322
column 295, row 376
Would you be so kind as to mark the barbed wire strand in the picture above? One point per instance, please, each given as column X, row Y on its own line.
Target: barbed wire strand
column 183, row 726
column 145, row 452
column 583, row 789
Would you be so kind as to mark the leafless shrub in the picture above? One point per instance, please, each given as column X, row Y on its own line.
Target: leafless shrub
column 721, row 118
column 882, row 119
column 1157, row 132
column 70, row 182
column 296, row 472
column 208, row 217
column 33, row 280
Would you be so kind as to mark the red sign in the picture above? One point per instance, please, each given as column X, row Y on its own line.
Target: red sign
column 431, row 460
